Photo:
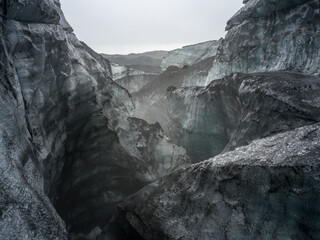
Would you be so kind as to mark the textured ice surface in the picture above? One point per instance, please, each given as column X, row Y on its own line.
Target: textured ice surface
column 66, row 132
column 269, row 36
column 119, row 71
column 67, row 137
column 237, row 109
column 131, row 79
column 261, row 8
column 262, row 36
column 191, row 54
column 266, row 190
column 148, row 62
column 151, row 100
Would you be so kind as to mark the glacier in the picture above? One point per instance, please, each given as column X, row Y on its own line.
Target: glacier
column 70, row 150
column 266, row 190
column 91, row 149
column 252, row 109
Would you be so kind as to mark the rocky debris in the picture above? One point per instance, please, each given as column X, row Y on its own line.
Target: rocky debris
column 238, row 109
column 189, row 55
column 266, row 190
column 66, row 132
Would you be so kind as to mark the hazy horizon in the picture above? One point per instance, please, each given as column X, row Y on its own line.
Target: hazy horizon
column 124, row 26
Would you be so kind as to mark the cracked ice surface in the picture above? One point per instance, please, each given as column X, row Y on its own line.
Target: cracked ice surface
column 268, row 189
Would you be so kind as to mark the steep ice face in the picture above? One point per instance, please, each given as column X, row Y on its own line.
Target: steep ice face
column 151, row 101
column 26, row 212
column 124, row 96
column 270, row 36
column 119, row 71
column 266, row 190
column 131, row 79
column 262, row 36
column 36, row 11
column 261, row 8
column 233, row 111
column 229, row 112
column 66, row 132
column 191, row 54
column 148, row 62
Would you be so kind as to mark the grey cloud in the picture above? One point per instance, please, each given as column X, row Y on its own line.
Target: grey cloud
column 123, row 26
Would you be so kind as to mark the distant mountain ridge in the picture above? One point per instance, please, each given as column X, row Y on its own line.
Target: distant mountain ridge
column 147, row 62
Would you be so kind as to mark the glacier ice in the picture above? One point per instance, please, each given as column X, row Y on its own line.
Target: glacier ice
column 266, row 190
column 68, row 142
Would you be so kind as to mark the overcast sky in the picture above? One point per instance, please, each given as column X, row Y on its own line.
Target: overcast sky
column 126, row 26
